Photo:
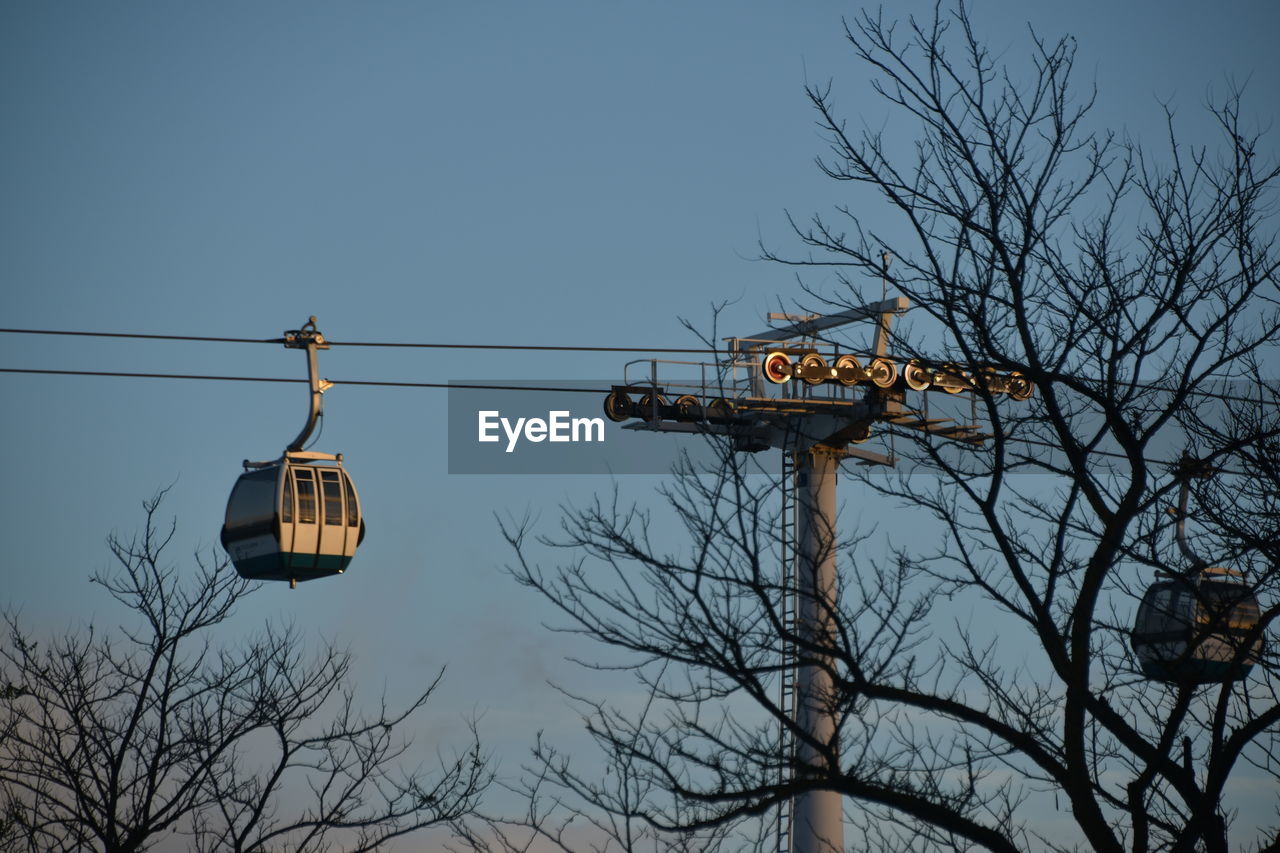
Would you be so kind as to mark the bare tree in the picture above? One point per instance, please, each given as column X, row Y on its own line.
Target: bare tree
column 115, row 742
column 1138, row 291
column 569, row 809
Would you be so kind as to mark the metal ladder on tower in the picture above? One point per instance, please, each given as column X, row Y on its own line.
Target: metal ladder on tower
column 787, row 649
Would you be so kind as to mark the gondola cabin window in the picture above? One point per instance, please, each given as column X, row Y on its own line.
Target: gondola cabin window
column 353, row 508
column 332, row 497
column 286, row 504
column 306, row 496
column 1164, row 607
column 253, row 503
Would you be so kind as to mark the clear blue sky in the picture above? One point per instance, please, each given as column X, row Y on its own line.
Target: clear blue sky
column 563, row 172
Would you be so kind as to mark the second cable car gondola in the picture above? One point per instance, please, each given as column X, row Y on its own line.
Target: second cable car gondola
column 298, row 517
column 1199, row 626
column 1199, row 630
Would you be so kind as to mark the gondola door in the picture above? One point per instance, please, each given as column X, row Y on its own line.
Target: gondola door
column 303, row 535
column 332, row 529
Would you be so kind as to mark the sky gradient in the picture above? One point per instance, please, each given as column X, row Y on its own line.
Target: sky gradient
column 554, row 173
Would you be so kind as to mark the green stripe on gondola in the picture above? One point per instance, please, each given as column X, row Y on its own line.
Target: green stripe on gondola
column 1192, row 670
column 283, row 566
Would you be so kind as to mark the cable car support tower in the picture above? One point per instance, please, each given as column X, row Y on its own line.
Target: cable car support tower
column 762, row 397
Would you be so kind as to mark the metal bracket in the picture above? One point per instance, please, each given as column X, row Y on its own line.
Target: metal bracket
column 310, row 339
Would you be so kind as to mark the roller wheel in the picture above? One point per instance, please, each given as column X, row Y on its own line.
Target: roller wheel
column 688, row 408
column 814, row 363
column 617, row 406
column 951, row 378
column 848, row 364
column 916, row 376
column 720, row 409
column 777, row 367
column 988, row 378
column 883, row 372
column 646, row 407
column 1020, row 387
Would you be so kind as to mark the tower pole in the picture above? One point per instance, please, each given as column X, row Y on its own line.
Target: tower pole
column 816, row 433
column 818, row 826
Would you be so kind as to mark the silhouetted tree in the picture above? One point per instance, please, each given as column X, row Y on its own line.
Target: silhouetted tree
column 115, row 741
column 985, row 691
column 572, row 807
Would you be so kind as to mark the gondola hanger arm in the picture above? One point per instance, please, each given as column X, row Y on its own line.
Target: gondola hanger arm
column 1188, row 468
column 309, row 338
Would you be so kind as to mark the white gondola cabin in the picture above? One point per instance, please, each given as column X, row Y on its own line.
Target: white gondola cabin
column 293, row 520
column 1199, row 630
column 298, row 517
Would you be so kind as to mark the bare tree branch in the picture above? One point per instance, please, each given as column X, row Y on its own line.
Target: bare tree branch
column 116, row 742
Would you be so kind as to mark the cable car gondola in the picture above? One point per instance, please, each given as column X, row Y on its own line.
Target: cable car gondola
column 1197, row 629
column 298, row 517
column 1199, row 626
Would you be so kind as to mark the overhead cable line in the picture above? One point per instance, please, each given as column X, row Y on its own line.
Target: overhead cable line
column 446, row 385
column 544, row 347
column 1229, row 398
column 142, row 336
column 369, row 382
column 1116, row 455
column 38, row 371
column 919, row 438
